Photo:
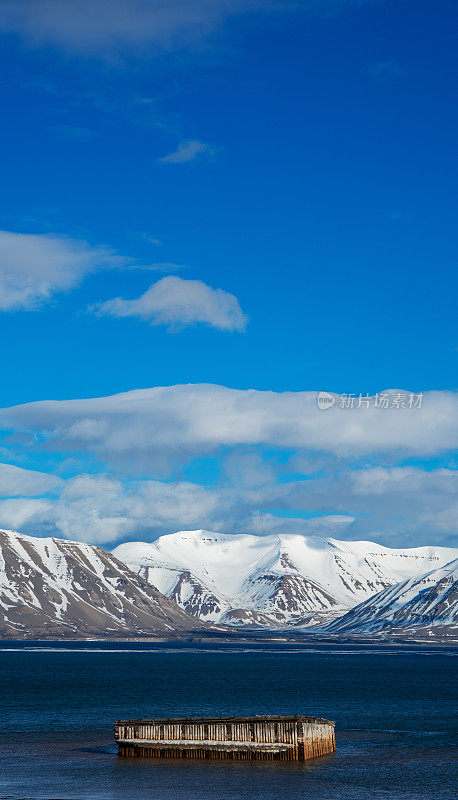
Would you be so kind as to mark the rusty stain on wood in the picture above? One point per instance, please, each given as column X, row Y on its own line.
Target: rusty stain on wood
column 283, row 738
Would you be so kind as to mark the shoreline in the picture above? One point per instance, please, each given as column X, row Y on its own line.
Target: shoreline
column 239, row 639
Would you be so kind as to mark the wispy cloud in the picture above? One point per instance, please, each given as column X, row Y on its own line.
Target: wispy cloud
column 384, row 68
column 102, row 27
column 179, row 303
column 150, row 239
column 188, row 151
column 34, row 267
column 163, row 266
column 86, row 26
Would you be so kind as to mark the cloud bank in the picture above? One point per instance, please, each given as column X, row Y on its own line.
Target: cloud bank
column 417, row 507
column 205, row 417
column 280, row 465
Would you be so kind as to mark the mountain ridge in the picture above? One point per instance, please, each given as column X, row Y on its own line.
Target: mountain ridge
column 57, row 588
column 275, row 580
column 427, row 604
column 199, row 582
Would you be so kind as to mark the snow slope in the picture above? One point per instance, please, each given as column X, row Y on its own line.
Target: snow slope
column 56, row 588
column 272, row 580
column 428, row 603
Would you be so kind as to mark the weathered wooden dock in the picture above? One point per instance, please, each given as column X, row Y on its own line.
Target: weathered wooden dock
column 290, row 738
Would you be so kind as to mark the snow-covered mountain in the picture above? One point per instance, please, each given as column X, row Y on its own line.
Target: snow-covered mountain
column 428, row 604
column 272, row 580
column 51, row 588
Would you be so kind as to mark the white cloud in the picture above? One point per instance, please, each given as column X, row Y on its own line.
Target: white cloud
column 188, row 151
column 100, row 509
column 380, row 480
column 18, row 481
column 204, row 417
column 177, row 302
column 16, row 514
column 333, row 525
column 34, row 267
column 92, row 509
column 443, row 519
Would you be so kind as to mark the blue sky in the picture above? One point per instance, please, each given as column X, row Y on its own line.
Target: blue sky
column 300, row 158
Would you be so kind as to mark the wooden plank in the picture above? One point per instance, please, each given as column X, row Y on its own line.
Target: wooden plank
column 237, row 720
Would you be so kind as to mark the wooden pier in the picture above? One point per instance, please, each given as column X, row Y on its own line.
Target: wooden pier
column 291, row 738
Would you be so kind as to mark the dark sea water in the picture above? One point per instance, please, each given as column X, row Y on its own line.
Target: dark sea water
column 395, row 711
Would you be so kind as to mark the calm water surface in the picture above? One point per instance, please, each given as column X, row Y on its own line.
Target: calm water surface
column 395, row 712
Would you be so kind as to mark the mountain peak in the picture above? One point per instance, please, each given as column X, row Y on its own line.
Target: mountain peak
column 53, row 588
